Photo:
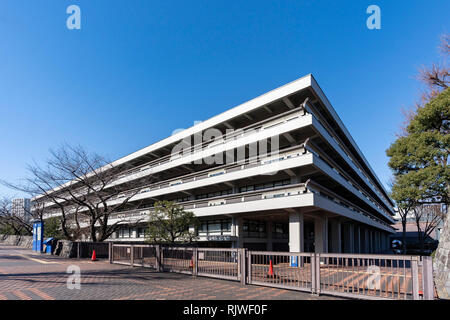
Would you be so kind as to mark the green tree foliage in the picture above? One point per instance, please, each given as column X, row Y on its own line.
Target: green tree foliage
column 169, row 223
column 7, row 230
column 52, row 228
column 420, row 159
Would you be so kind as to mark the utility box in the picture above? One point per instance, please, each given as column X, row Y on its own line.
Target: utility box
column 49, row 245
column 38, row 235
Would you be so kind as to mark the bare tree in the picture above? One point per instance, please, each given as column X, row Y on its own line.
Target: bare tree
column 436, row 77
column 427, row 218
column 9, row 219
column 82, row 189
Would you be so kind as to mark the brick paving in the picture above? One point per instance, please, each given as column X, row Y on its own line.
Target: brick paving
column 25, row 275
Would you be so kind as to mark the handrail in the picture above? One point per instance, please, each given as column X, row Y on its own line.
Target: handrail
column 258, row 159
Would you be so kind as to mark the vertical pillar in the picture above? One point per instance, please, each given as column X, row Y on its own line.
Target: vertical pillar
column 321, row 234
column 336, row 235
column 366, row 240
column 349, row 238
column 383, row 242
column 358, row 239
column 236, row 230
column 380, row 247
column 296, row 232
column 269, row 236
column 377, row 249
column 371, row 241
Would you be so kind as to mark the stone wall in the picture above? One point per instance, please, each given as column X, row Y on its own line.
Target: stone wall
column 441, row 263
column 20, row 241
column 63, row 248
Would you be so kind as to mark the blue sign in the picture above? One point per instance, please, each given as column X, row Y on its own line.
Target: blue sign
column 38, row 236
column 294, row 261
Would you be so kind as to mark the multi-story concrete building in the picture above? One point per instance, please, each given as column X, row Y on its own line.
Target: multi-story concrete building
column 20, row 207
column 291, row 178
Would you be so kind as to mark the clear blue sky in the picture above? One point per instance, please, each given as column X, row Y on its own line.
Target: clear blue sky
column 137, row 70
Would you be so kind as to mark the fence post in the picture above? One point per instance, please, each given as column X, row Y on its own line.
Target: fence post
column 194, row 261
column 110, row 252
column 158, row 257
column 317, row 273
column 313, row 273
column 415, row 278
column 161, row 258
column 78, row 249
column 427, row 276
column 246, row 273
column 132, row 255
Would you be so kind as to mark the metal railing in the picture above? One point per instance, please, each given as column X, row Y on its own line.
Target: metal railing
column 374, row 276
column 218, row 263
column 85, row 249
column 357, row 276
column 281, row 270
column 136, row 255
column 177, row 259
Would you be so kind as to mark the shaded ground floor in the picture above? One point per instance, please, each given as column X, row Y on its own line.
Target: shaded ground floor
column 291, row 230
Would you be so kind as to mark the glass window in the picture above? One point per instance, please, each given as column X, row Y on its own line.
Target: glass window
column 141, row 232
column 254, row 229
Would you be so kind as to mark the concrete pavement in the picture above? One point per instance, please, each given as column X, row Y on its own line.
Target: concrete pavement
column 25, row 275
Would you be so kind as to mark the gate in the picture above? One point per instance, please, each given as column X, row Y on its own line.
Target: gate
column 284, row 270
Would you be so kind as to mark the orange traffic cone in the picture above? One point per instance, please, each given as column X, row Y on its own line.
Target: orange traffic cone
column 94, row 256
column 271, row 269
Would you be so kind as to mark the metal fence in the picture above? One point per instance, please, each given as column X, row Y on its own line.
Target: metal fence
column 375, row 276
column 136, row 255
column 348, row 275
column 85, row 249
column 281, row 270
column 218, row 263
column 177, row 259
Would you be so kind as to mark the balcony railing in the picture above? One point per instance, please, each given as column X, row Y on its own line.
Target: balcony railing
column 288, row 153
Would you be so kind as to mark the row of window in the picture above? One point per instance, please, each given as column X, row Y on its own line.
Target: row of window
column 261, row 186
column 126, row 232
column 250, row 229
column 214, row 194
column 267, row 185
column 214, row 227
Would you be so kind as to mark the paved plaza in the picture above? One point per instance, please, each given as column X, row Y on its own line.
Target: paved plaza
column 25, row 275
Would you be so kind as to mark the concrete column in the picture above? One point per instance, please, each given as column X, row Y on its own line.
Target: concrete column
column 371, row 241
column 296, row 232
column 269, row 236
column 349, row 237
column 236, row 230
column 379, row 241
column 383, row 242
column 321, row 234
column 358, row 237
column 336, row 235
column 366, row 241
column 352, row 237
column 375, row 236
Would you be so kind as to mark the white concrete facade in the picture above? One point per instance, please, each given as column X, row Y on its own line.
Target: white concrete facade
column 316, row 191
